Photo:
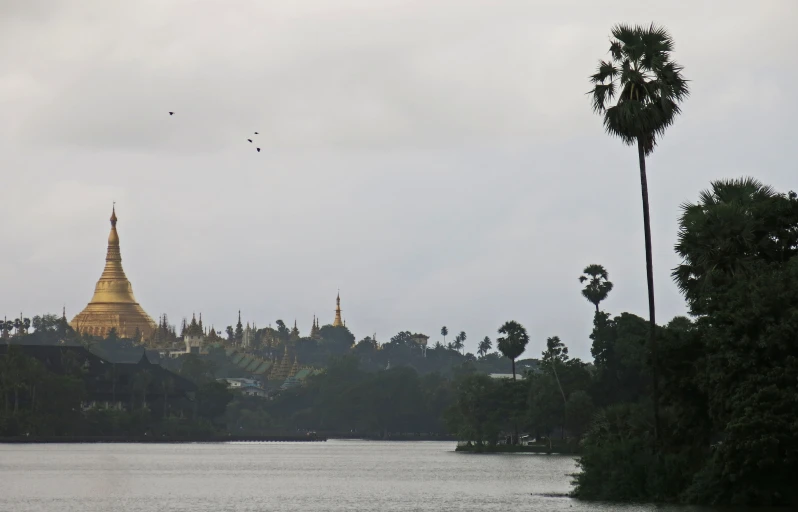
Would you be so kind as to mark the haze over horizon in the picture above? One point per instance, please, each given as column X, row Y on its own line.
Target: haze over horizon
column 437, row 161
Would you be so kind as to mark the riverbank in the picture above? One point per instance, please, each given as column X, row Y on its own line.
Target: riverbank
column 553, row 449
column 391, row 437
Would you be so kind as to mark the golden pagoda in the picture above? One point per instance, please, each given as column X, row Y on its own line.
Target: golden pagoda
column 113, row 305
column 337, row 322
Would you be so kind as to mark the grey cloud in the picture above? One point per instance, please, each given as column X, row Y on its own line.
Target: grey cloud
column 437, row 161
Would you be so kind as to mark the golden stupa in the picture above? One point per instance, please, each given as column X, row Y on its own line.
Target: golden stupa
column 113, row 305
column 337, row 322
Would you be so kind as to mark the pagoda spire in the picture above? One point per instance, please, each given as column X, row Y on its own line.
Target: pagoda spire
column 314, row 331
column 337, row 322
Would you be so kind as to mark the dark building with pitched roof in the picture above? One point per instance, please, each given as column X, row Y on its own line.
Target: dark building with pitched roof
column 118, row 385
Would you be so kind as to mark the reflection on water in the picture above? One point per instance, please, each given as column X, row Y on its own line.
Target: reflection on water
column 336, row 475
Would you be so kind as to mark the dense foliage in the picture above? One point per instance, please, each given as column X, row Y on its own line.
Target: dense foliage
column 346, row 399
column 729, row 379
column 38, row 402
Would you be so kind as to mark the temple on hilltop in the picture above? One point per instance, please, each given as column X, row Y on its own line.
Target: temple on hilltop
column 113, row 305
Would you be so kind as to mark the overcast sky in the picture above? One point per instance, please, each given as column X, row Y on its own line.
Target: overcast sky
column 437, row 161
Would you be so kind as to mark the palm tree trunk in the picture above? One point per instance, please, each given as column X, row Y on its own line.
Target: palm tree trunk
column 513, row 360
column 650, row 278
column 564, row 401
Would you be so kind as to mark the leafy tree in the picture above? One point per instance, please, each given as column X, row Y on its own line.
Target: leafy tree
column 514, row 341
column 556, row 353
column 484, row 346
column 196, row 369
column 403, row 339
column 475, row 413
column 649, row 87
column 598, row 286
column 46, row 322
column 444, row 333
column 212, row 399
column 545, row 409
column 579, row 412
column 739, row 272
column 230, row 334
column 619, row 355
column 366, row 346
column 340, row 337
column 282, row 331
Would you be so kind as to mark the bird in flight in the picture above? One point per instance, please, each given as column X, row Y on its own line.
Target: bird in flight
column 256, row 133
column 258, row 150
column 250, row 140
column 171, row 113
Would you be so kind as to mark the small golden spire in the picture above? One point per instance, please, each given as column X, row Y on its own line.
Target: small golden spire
column 337, row 322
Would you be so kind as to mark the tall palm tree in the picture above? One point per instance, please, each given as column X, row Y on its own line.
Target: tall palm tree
column 598, row 286
column 458, row 342
column 444, row 333
column 462, row 340
column 649, row 87
column 514, row 341
column 484, row 347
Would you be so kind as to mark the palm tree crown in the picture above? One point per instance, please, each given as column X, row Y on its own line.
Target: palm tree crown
column 514, row 341
column 458, row 342
column 484, row 346
column 598, row 286
column 647, row 84
column 733, row 223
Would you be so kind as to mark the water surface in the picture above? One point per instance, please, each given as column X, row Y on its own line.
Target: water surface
column 308, row 477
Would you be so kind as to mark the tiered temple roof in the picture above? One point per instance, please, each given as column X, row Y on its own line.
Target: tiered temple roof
column 283, row 370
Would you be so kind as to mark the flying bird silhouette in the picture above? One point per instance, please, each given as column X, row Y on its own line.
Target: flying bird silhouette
column 171, row 113
column 258, row 150
column 256, row 133
column 249, row 140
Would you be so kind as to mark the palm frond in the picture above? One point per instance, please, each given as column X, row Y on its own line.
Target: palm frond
column 616, row 50
column 606, row 71
column 602, row 94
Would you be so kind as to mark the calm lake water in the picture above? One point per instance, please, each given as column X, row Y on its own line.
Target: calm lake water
column 336, row 475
